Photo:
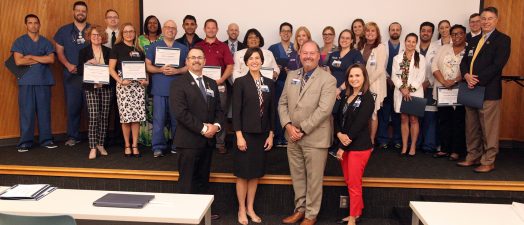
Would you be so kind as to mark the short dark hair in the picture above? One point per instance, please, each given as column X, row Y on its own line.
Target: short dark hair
column 256, row 33
column 210, row 21
column 31, row 16
column 474, row 15
column 150, row 17
column 197, row 48
column 285, row 24
column 427, row 24
column 350, row 32
column 250, row 52
column 389, row 28
column 111, row 10
column 457, row 26
column 189, row 17
column 79, row 3
column 492, row 10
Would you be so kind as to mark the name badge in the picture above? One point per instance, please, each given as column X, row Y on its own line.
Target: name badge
column 372, row 60
column 210, row 93
column 470, row 53
column 264, row 88
column 295, row 81
column 134, row 54
column 292, row 60
column 357, row 103
column 336, row 63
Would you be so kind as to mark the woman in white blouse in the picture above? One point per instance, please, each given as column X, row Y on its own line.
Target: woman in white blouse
column 408, row 73
column 253, row 39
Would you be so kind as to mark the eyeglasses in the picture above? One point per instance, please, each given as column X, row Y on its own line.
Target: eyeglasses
column 169, row 28
column 96, row 35
column 128, row 32
column 327, row 34
column 195, row 57
column 285, row 31
column 112, row 17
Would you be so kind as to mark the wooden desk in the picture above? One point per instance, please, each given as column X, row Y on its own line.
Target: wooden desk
column 164, row 208
column 447, row 213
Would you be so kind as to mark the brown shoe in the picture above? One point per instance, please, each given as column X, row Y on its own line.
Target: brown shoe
column 484, row 168
column 295, row 217
column 467, row 163
column 222, row 150
column 307, row 221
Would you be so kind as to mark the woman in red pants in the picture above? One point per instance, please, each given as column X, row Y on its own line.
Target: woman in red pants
column 352, row 130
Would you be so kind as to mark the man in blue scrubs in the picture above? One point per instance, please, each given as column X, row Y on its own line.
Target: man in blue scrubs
column 69, row 40
column 161, row 76
column 34, row 87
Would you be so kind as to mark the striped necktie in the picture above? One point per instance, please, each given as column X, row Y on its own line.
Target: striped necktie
column 477, row 50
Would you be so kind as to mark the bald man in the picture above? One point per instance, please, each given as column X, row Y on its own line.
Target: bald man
column 232, row 42
column 162, row 75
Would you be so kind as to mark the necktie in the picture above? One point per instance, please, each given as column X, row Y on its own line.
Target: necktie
column 305, row 77
column 113, row 39
column 477, row 50
column 233, row 48
column 202, row 89
column 260, row 97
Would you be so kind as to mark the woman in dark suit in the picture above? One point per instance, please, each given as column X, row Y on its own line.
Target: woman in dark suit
column 98, row 95
column 352, row 130
column 253, row 116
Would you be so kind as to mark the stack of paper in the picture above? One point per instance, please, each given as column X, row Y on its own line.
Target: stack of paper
column 519, row 209
column 27, row 192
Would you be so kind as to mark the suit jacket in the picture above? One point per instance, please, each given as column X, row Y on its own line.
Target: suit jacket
column 240, row 45
column 309, row 109
column 489, row 63
column 191, row 111
column 354, row 122
column 246, row 106
column 85, row 55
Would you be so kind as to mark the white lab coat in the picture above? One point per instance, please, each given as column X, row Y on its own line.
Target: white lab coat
column 376, row 67
column 416, row 77
column 240, row 68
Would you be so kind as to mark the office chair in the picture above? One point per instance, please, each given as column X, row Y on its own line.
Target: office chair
column 7, row 219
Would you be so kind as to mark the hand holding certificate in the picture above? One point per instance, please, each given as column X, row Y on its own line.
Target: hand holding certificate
column 213, row 72
column 96, row 74
column 267, row 72
column 447, row 96
column 167, row 56
column 134, row 70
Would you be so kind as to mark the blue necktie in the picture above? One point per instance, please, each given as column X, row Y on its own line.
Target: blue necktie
column 202, row 89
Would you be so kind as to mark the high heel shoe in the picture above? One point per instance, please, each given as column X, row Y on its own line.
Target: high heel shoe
column 254, row 218
column 126, row 154
column 92, row 154
column 136, row 155
column 102, row 150
column 241, row 220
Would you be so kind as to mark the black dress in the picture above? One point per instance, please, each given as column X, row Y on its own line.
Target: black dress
column 254, row 122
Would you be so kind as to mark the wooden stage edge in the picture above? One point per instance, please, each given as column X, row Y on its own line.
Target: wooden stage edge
column 268, row 179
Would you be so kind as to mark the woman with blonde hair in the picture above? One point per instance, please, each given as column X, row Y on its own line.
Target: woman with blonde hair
column 302, row 35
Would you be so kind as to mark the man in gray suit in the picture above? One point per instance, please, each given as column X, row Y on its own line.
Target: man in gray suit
column 305, row 109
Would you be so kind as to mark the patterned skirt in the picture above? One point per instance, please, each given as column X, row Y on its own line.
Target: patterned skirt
column 131, row 102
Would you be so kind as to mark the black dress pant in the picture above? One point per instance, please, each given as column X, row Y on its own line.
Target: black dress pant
column 194, row 166
column 452, row 129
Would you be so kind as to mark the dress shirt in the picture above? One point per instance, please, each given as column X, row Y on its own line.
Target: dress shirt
column 204, row 128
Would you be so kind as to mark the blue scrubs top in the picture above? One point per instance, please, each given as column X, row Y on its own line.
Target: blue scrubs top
column 339, row 66
column 73, row 40
column 160, row 82
column 282, row 58
column 38, row 74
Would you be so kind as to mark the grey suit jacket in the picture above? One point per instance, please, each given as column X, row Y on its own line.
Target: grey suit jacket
column 310, row 109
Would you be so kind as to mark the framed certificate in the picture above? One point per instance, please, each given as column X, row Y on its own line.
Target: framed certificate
column 213, row 72
column 96, row 74
column 133, row 70
column 267, row 72
column 447, row 96
column 167, row 56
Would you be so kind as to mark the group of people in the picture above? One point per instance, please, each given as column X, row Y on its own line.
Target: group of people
column 342, row 97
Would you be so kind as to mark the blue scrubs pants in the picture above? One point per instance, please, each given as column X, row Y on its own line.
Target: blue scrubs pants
column 161, row 117
column 34, row 99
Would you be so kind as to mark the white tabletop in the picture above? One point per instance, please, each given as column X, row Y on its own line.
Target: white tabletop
column 447, row 213
column 164, row 208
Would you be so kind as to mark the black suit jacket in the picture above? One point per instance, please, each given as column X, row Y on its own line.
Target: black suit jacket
column 489, row 63
column 354, row 122
column 85, row 55
column 240, row 45
column 192, row 111
column 246, row 105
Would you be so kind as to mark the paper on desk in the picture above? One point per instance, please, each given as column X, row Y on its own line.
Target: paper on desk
column 519, row 209
column 24, row 191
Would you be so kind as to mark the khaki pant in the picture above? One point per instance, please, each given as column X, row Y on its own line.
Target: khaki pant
column 482, row 132
column 307, row 172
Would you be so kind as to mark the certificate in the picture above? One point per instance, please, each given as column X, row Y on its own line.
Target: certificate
column 96, row 74
column 213, row 72
column 167, row 56
column 133, row 70
column 447, row 96
column 267, row 72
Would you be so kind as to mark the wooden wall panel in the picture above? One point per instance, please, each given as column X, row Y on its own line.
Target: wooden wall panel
column 52, row 14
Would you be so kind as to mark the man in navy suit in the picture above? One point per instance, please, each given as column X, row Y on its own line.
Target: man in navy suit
column 195, row 102
column 482, row 66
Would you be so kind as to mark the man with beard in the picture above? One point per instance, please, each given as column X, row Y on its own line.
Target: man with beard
column 305, row 114
column 69, row 40
column 162, row 77
column 190, row 38
column 386, row 112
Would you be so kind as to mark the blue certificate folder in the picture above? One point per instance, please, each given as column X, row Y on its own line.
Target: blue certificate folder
column 471, row 97
column 415, row 107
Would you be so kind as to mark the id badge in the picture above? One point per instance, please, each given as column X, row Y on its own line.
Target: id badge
column 295, row 81
column 264, row 88
column 336, row 63
column 470, row 53
column 134, row 54
column 357, row 103
column 372, row 61
column 210, row 93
